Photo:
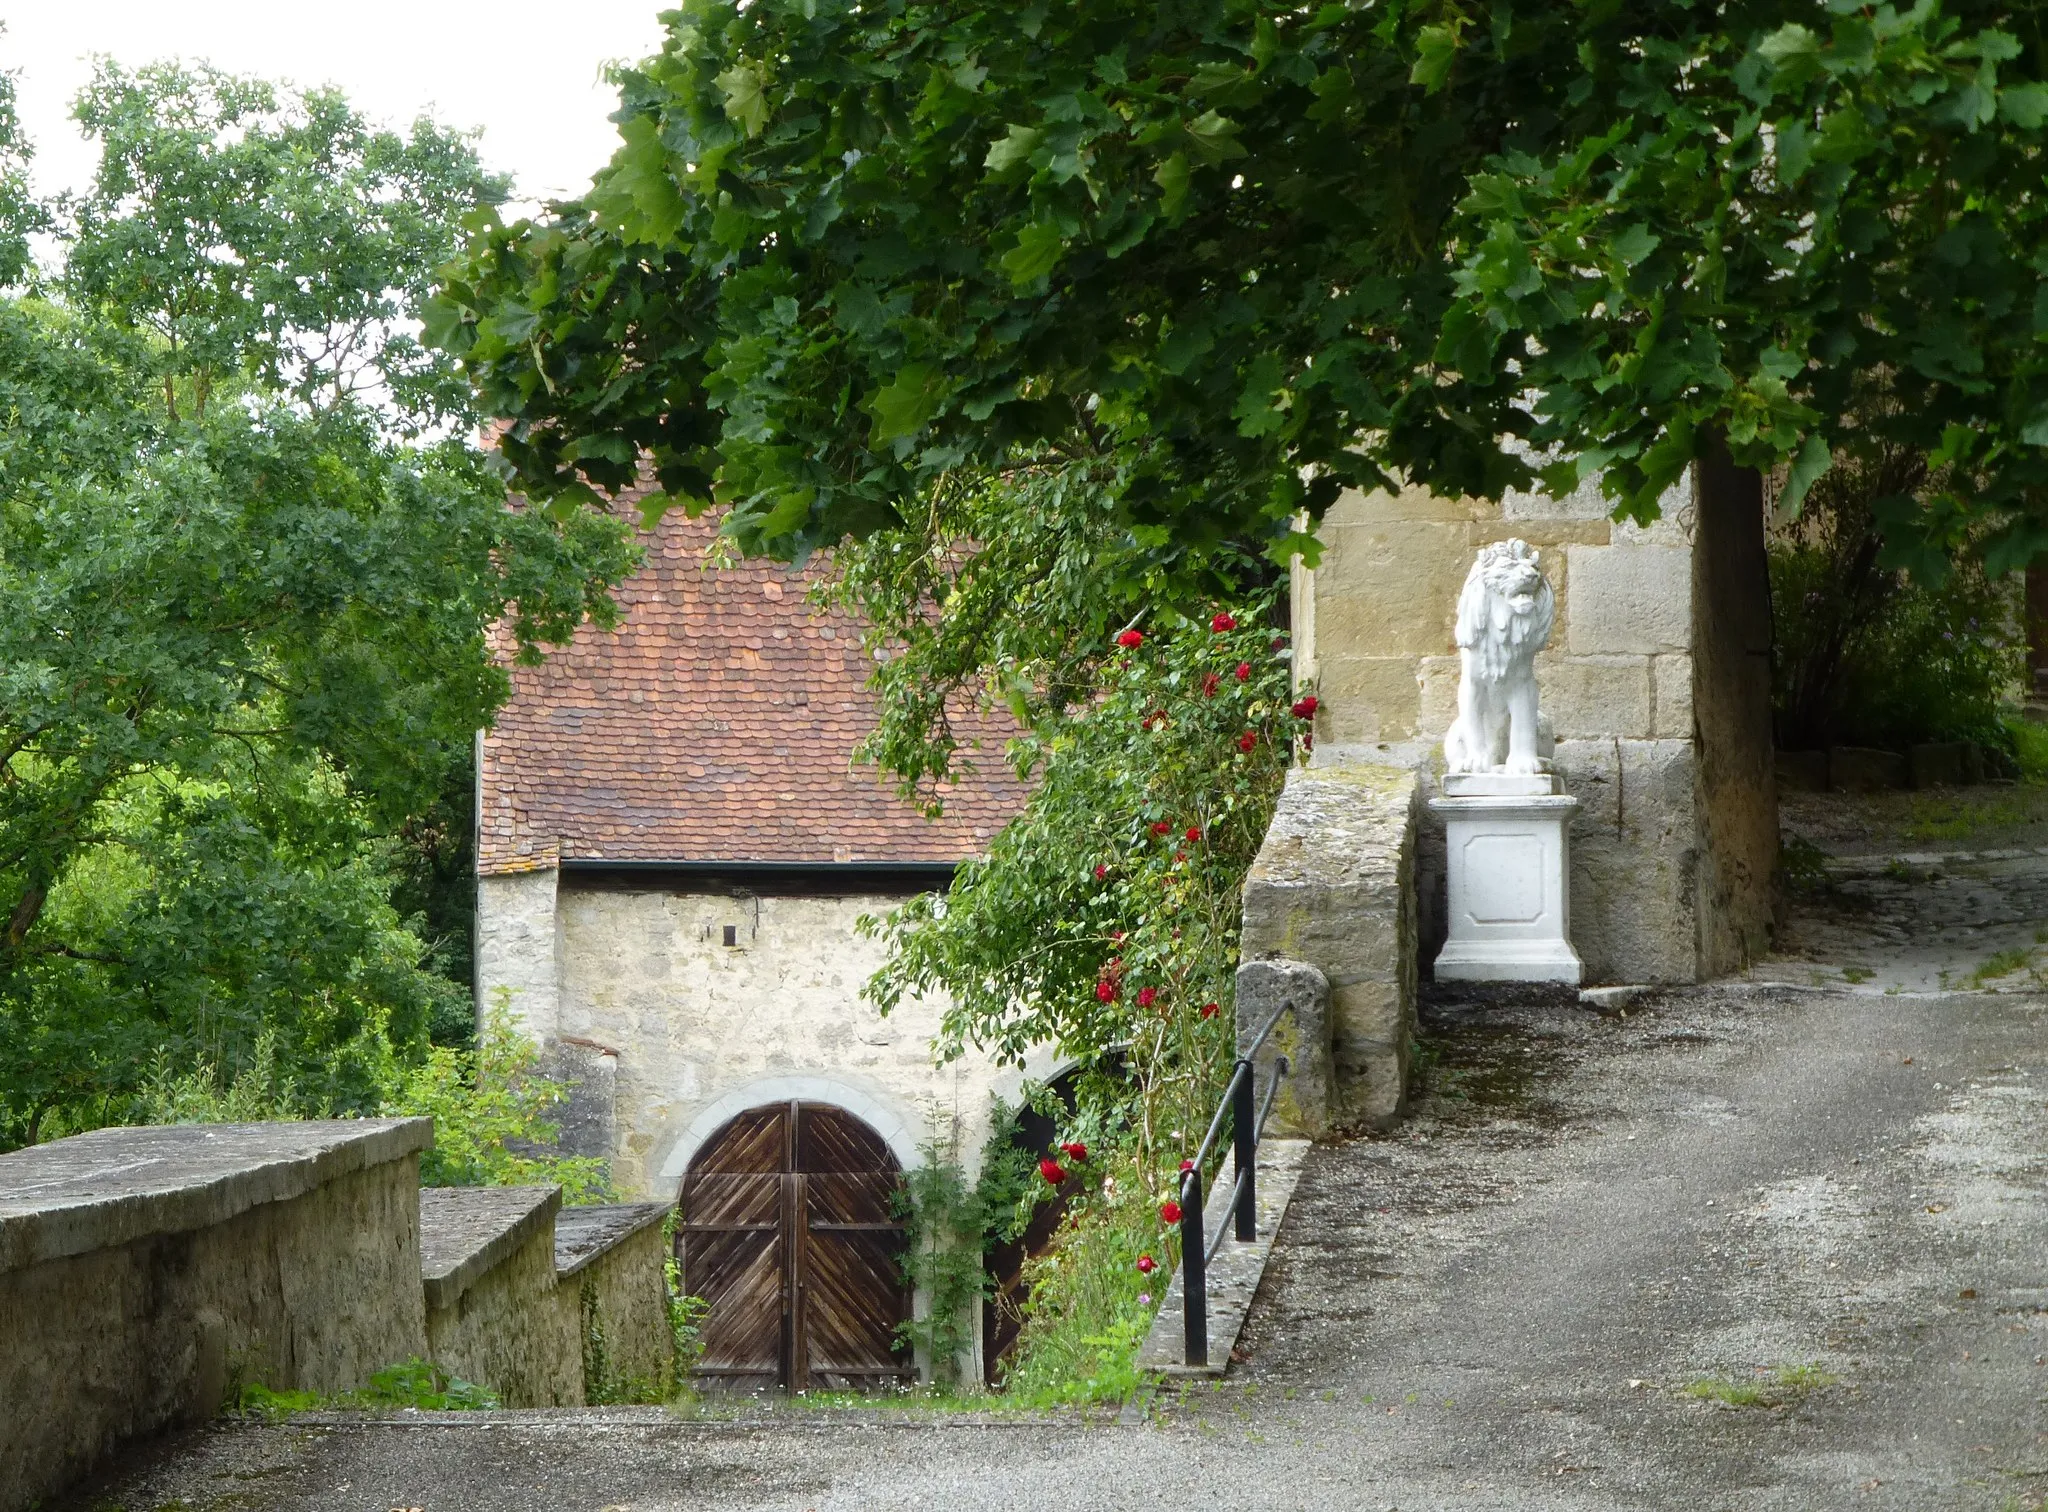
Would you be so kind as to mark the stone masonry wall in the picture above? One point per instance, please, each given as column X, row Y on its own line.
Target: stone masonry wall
column 625, row 1281
column 1334, row 888
column 700, row 1030
column 144, row 1272
column 494, row 1316
column 1375, row 630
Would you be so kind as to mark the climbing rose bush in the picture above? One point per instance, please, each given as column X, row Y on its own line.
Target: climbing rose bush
column 1104, row 919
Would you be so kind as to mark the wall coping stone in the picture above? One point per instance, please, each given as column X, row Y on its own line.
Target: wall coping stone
column 110, row 1187
column 583, row 1234
column 467, row 1232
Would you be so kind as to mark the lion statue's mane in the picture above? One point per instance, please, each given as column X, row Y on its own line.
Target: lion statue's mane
column 1505, row 612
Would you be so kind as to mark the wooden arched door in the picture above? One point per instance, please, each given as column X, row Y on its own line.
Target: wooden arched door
column 789, row 1232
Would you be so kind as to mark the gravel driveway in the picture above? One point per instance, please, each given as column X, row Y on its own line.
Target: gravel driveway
column 1737, row 1247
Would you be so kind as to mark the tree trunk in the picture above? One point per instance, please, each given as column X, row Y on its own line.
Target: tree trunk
column 1736, row 786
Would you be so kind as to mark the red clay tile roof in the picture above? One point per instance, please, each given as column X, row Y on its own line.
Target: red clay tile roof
column 717, row 723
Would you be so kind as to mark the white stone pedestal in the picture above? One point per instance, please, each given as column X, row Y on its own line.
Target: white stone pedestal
column 1510, row 869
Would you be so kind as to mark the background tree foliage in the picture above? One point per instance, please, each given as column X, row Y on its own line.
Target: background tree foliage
column 246, row 574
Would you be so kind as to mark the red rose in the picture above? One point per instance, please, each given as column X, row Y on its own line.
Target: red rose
column 1210, row 681
column 1194, row 832
column 1223, row 622
column 1244, row 670
column 1306, row 707
column 1278, row 642
column 1147, row 1265
column 1076, row 1152
column 1162, row 827
column 1247, row 742
column 1105, row 992
column 1147, row 996
column 1208, row 1010
column 1169, row 1212
column 1052, row 1171
column 1101, row 872
column 1130, row 640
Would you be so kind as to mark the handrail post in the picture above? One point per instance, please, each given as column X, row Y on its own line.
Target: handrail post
column 1194, row 1271
column 1244, row 1129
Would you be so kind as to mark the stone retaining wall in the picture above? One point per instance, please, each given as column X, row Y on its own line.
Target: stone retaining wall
column 143, row 1272
column 493, row 1315
column 1334, row 888
column 609, row 1283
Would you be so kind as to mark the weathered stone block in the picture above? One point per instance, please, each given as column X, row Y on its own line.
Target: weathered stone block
column 1596, row 695
column 142, row 1269
column 1802, row 771
column 1333, row 888
column 1859, row 769
column 609, row 1285
column 1307, row 1095
column 1367, row 699
column 487, row 1266
column 1671, row 688
column 1629, row 598
column 1400, row 587
column 1384, row 505
column 1940, row 763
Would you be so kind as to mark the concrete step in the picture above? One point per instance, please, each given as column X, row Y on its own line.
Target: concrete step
column 1235, row 1272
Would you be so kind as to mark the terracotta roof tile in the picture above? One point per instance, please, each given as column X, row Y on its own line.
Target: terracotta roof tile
column 717, row 723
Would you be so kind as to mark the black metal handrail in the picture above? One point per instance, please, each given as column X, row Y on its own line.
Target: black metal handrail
column 1246, row 1127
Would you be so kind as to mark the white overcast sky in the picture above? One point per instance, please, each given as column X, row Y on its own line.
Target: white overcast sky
column 526, row 72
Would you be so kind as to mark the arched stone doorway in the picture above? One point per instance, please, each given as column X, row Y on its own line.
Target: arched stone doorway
column 788, row 1231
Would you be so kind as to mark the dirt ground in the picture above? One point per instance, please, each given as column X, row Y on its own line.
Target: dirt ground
column 1779, row 1243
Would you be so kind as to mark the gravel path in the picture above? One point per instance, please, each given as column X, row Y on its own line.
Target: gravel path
column 1742, row 1247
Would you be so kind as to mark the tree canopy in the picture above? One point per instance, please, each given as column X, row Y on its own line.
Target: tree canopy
column 1229, row 257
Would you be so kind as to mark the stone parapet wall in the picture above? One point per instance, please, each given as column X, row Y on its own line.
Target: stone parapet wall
column 144, row 1272
column 610, row 1286
column 1334, row 888
column 494, row 1315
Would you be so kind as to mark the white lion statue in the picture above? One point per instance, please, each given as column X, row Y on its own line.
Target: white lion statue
column 1504, row 617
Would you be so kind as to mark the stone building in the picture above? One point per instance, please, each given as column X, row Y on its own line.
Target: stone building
column 1656, row 680
column 674, row 849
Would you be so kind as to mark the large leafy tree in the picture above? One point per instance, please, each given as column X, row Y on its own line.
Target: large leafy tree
column 246, row 580
column 1225, row 257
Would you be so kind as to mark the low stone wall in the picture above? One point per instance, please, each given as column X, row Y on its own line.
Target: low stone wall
column 487, row 1261
column 1334, row 888
column 609, row 1284
column 144, row 1271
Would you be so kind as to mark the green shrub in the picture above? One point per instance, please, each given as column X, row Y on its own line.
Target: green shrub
column 489, row 1104
column 1090, row 1306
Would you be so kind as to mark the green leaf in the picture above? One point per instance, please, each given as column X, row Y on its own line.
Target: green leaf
column 1039, row 248
column 1635, row 244
column 2024, row 105
column 1012, row 151
column 1212, row 137
column 635, row 193
column 745, row 104
column 1813, row 459
column 902, row 407
column 1790, row 44
column 1172, row 178
column 1436, row 48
